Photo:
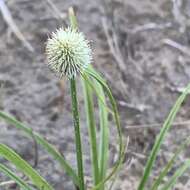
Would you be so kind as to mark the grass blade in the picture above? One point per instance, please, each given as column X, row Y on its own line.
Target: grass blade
column 92, row 84
column 177, row 174
column 160, row 138
column 88, row 96
column 23, row 166
column 90, row 71
column 14, row 177
column 169, row 164
column 104, row 134
column 40, row 140
column 104, row 131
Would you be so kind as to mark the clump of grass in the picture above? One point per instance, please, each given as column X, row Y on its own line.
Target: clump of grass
column 69, row 55
column 159, row 140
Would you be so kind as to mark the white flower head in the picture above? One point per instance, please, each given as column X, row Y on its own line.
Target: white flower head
column 68, row 52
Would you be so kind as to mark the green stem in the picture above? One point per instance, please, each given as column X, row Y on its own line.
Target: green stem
column 92, row 130
column 77, row 133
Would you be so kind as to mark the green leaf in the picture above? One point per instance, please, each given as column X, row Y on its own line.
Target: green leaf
column 104, row 133
column 177, row 174
column 170, row 164
column 89, row 106
column 47, row 146
column 14, row 177
column 103, row 157
column 93, row 84
column 93, row 74
column 23, row 166
column 160, row 138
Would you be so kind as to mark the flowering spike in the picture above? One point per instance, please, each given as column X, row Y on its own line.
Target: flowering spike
column 68, row 52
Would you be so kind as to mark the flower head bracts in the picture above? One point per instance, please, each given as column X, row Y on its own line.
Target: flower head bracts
column 68, row 52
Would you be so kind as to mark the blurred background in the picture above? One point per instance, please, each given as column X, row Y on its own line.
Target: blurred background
column 142, row 48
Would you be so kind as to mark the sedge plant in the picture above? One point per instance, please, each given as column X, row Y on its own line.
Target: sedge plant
column 69, row 55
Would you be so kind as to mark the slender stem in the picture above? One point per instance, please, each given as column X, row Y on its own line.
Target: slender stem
column 77, row 134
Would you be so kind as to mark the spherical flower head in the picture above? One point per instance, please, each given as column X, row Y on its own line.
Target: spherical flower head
column 68, row 52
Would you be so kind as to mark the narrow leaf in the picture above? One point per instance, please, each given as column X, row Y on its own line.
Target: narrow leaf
column 88, row 96
column 177, row 174
column 23, row 166
column 160, row 138
column 101, row 81
column 14, row 177
column 170, row 164
column 47, row 146
column 104, row 133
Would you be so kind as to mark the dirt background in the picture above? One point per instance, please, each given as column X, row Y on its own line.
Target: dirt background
column 142, row 49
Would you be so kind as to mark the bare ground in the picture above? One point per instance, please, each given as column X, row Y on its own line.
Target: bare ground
column 141, row 47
